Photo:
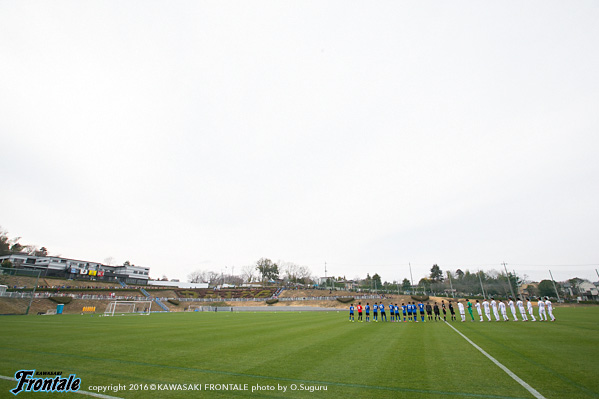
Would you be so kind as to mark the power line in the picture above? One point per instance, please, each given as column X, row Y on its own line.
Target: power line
column 461, row 264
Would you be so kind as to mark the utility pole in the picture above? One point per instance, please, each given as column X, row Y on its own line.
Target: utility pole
column 411, row 278
column 508, row 279
column 597, row 272
column 325, row 274
column 450, row 284
column 554, row 286
column 481, row 285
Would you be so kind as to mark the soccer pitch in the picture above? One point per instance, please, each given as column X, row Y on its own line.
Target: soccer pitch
column 278, row 354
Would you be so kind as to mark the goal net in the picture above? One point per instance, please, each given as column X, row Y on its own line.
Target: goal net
column 128, row 307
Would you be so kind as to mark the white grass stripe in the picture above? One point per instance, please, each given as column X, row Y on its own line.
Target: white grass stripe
column 95, row 395
column 519, row 380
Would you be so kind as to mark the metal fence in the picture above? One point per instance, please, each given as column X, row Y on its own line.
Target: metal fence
column 45, row 295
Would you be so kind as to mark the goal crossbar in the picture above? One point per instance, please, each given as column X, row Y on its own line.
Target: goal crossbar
column 128, row 307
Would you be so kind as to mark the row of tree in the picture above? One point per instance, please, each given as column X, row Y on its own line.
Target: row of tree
column 481, row 283
column 264, row 270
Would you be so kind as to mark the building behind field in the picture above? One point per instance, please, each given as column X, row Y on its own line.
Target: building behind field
column 588, row 291
column 54, row 266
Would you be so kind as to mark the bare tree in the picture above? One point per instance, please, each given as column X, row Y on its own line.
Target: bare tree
column 196, row 276
column 289, row 269
column 304, row 274
column 248, row 273
column 213, row 278
column 203, row 276
column 30, row 249
column 234, row 280
column 295, row 273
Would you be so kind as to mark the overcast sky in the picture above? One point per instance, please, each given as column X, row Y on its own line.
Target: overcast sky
column 207, row 134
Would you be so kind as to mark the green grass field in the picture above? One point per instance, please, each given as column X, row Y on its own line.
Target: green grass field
column 288, row 349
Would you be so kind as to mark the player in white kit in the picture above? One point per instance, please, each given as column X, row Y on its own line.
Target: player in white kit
column 513, row 309
column 494, row 307
column 480, row 312
column 462, row 311
column 549, row 308
column 542, row 314
column 487, row 309
column 520, row 305
column 503, row 311
column 530, row 312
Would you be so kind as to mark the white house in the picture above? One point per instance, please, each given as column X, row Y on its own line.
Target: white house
column 324, row 280
column 588, row 291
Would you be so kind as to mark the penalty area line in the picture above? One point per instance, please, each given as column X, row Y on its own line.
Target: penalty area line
column 81, row 392
column 519, row 380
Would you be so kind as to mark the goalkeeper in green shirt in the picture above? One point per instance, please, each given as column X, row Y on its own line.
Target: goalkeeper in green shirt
column 469, row 304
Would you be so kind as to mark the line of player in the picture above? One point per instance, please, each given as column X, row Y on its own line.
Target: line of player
column 433, row 312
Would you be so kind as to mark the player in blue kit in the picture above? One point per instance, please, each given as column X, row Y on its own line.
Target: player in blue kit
column 421, row 309
column 351, row 313
column 412, row 311
column 397, row 316
column 404, row 310
column 392, row 311
column 367, row 309
column 374, row 312
column 383, row 314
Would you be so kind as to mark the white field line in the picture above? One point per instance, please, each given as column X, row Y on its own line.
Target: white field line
column 95, row 395
column 519, row 380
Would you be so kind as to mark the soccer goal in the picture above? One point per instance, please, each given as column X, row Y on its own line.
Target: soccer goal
column 128, row 307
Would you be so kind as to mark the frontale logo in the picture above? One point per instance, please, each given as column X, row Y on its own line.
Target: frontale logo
column 26, row 382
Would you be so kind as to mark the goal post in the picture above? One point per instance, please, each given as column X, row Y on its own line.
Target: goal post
column 128, row 307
